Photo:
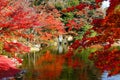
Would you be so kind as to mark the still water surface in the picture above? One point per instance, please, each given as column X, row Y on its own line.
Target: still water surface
column 50, row 64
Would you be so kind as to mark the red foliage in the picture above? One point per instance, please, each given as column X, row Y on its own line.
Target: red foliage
column 7, row 67
column 91, row 7
column 108, row 31
column 73, row 25
column 50, row 22
column 78, row 7
column 108, row 28
column 113, row 4
column 77, row 44
column 13, row 47
column 15, row 16
column 69, row 9
column 81, row 6
column 107, row 60
column 53, row 24
column 97, row 22
column 18, row 19
column 98, row 1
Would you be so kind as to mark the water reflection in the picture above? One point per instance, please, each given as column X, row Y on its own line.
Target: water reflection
column 49, row 65
column 60, row 49
column 53, row 63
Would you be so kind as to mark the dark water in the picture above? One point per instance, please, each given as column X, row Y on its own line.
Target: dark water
column 51, row 64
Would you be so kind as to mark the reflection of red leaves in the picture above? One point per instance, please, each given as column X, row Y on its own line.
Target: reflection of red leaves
column 50, row 66
column 69, row 54
column 74, row 63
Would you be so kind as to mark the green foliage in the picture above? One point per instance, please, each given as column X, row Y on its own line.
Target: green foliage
column 67, row 16
column 73, row 2
column 59, row 6
column 37, row 2
column 83, row 30
column 93, row 33
column 66, row 4
column 1, row 47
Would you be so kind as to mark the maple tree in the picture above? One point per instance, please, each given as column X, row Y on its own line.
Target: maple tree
column 78, row 18
column 107, row 33
column 50, row 22
column 20, row 21
column 15, row 17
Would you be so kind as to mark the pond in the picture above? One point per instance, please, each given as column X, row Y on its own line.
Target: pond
column 51, row 63
column 54, row 63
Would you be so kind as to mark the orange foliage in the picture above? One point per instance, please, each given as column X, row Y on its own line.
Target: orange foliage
column 46, row 36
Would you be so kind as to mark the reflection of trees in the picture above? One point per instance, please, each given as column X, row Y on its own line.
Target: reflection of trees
column 59, row 66
column 50, row 66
